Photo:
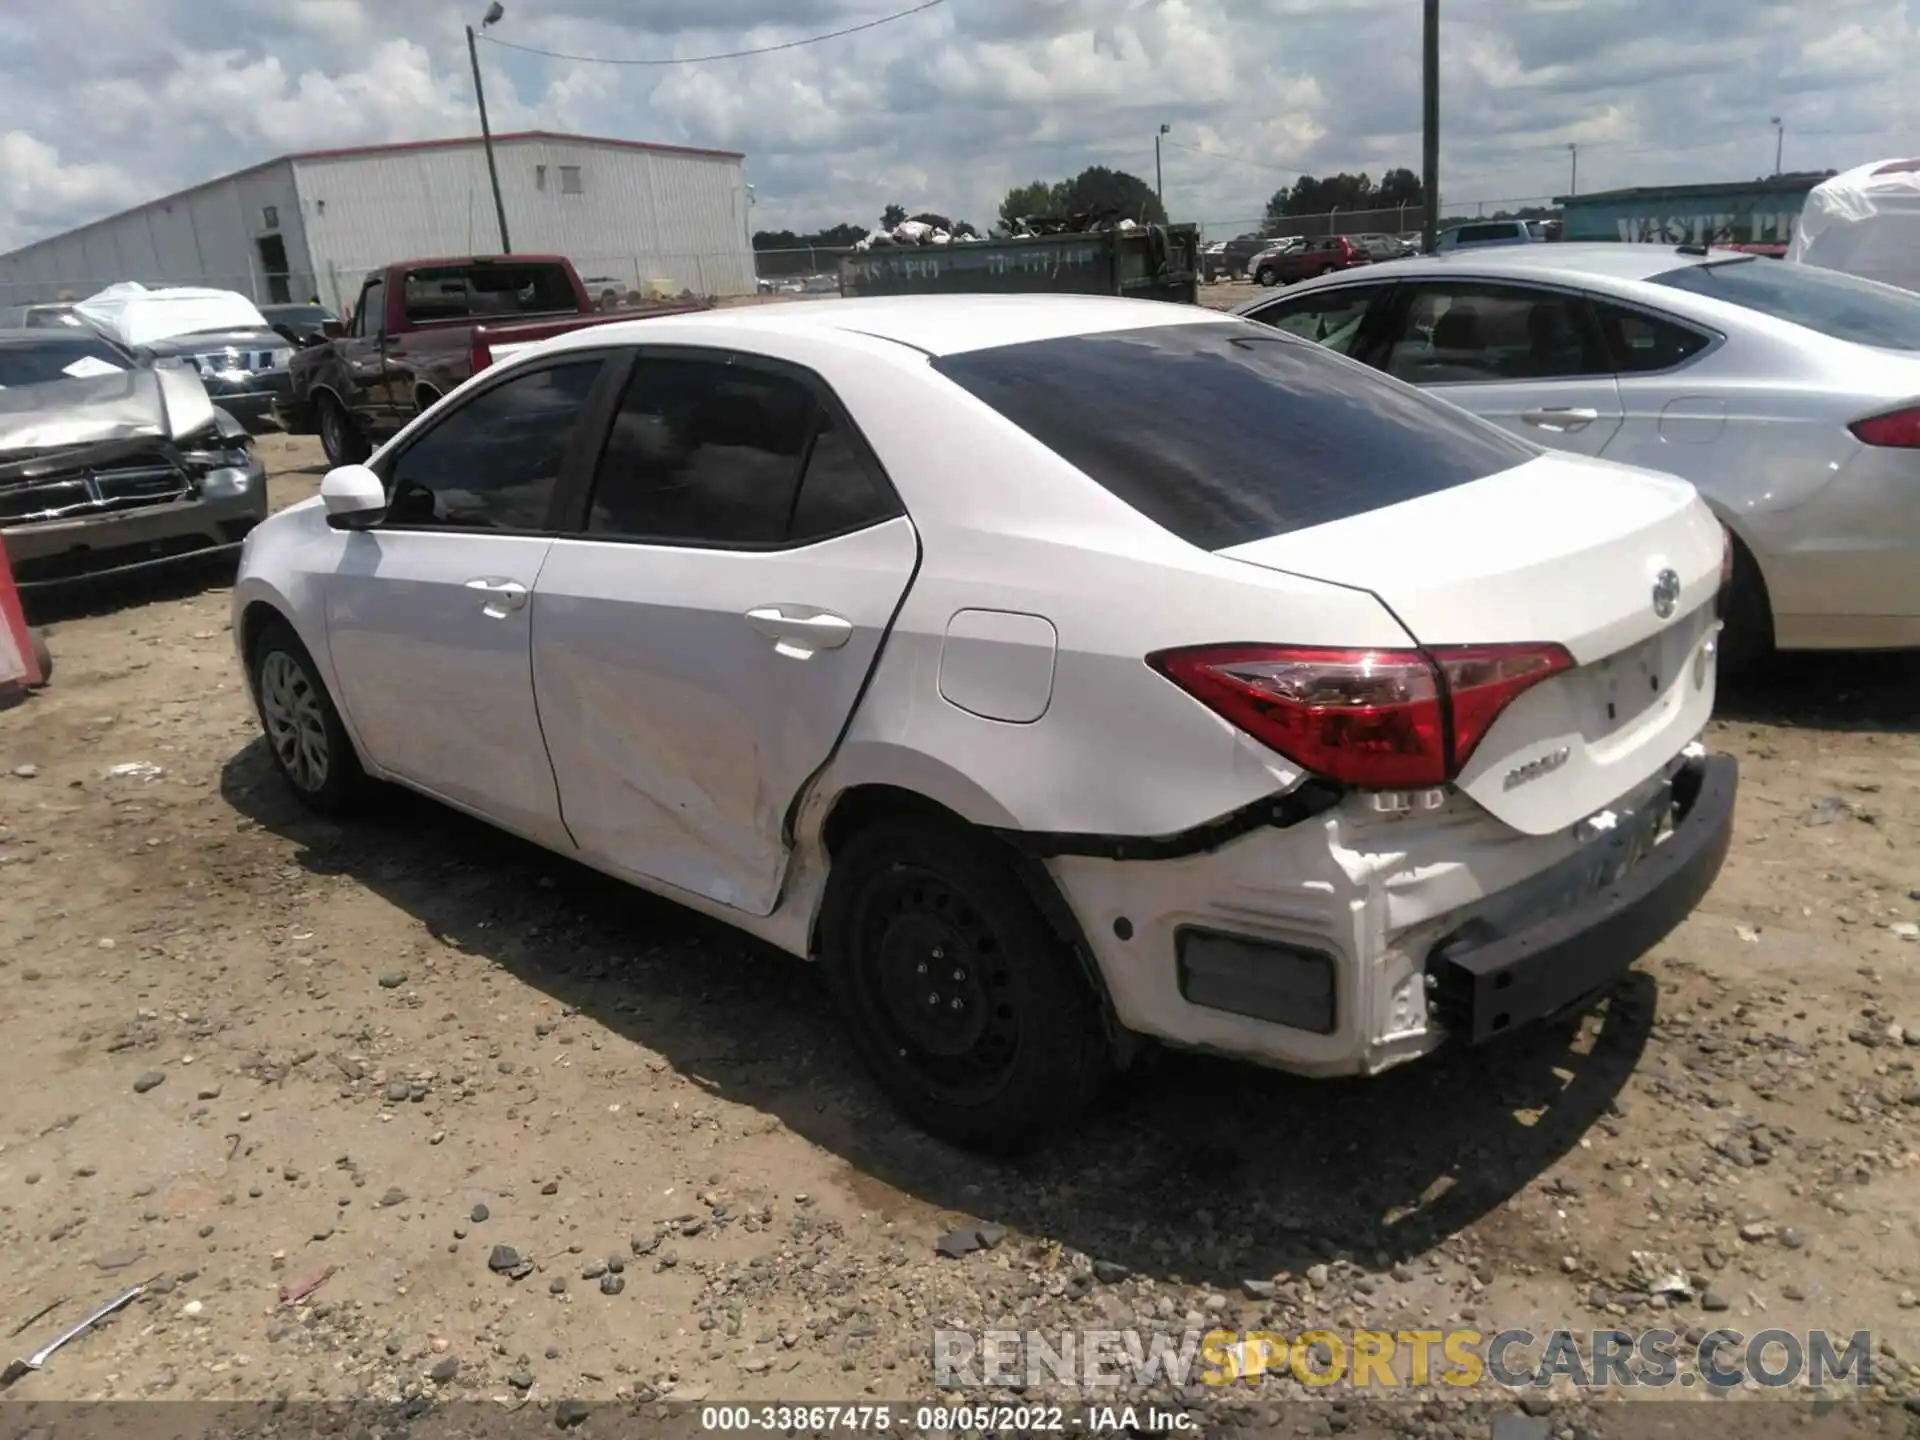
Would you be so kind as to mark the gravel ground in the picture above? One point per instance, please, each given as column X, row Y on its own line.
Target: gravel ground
column 405, row 1108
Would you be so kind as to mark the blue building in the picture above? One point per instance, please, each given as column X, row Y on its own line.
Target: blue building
column 1757, row 212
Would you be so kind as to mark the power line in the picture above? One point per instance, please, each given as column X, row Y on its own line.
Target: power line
column 727, row 55
column 1236, row 159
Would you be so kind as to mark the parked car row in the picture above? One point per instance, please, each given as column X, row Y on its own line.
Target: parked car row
column 1789, row 395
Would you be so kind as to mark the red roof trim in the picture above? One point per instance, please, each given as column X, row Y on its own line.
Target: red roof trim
column 403, row 146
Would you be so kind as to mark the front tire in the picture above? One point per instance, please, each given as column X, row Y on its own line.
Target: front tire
column 971, row 1013
column 1266, row 279
column 339, row 436
column 310, row 746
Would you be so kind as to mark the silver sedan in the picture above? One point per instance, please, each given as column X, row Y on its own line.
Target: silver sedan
column 1789, row 396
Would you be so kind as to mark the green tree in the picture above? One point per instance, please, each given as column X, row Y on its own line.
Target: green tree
column 1400, row 187
column 1097, row 190
column 893, row 215
column 1036, row 198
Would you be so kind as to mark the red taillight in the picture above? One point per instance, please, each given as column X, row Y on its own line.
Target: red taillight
column 482, row 353
column 1897, row 429
column 1376, row 719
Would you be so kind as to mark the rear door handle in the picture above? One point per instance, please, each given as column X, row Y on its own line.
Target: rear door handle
column 798, row 634
column 503, row 597
column 1563, row 418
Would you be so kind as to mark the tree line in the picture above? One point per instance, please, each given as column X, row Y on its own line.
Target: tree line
column 1099, row 192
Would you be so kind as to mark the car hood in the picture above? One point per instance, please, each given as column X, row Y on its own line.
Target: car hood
column 154, row 403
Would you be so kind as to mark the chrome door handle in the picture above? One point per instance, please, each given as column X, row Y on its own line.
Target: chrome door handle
column 1561, row 418
column 503, row 596
column 799, row 635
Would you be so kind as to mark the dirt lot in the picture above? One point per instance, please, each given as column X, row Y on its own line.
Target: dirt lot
column 251, row 1053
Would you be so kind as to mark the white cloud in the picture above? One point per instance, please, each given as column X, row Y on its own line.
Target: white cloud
column 107, row 102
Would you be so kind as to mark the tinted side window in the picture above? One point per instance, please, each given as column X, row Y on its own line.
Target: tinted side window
column 1225, row 433
column 840, row 490
column 702, row 453
column 1471, row 331
column 1642, row 343
column 1841, row 306
column 493, row 463
column 1331, row 318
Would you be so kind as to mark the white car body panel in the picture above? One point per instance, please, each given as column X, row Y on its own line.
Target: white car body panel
column 1757, row 422
column 680, row 729
column 1589, row 541
column 632, row 713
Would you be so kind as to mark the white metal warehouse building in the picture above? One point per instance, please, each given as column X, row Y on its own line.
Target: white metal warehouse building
column 626, row 213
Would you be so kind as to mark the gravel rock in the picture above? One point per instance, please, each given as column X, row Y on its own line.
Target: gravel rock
column 1713, row 1302
column 557, row 1285
column 503, row 1259
column 478, row 1214
column 569, row 1413
column 1258, row 1289
column 398, row 1092
column 520, row 1379
column 394, row 1195
column 1109, row 1272
column 611, row 1284
column 393, row 979
column 149, row 1080
column 444, row 1370
column 593, row 1270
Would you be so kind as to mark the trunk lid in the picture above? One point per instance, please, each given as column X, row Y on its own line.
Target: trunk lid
column 1563, row 550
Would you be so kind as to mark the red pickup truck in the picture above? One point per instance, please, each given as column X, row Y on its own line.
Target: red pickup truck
column 421, row 327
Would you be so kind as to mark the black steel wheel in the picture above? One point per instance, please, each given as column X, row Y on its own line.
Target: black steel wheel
column 975, row 1017
column 339, row 436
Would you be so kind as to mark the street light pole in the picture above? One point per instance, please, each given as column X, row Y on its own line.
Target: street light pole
column 1159, row 191
column 494, row 12
column 1573, row 180
column 1779, row 141
column 1430, row 122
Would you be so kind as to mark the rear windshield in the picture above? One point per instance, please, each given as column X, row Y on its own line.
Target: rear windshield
column 488, row 292
column 59, row 358
column 1833, row 304
column 1229, row 433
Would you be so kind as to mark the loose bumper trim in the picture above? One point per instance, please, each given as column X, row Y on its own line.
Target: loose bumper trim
column 1487, row 988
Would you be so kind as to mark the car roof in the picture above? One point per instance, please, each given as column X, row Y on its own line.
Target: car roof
column 41, row 334
column 1562, row 260
column 934, row 324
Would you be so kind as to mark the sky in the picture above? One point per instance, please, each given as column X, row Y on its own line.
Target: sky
column 108, row 103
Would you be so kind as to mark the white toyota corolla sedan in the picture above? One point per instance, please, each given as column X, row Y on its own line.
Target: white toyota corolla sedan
column 1058, row 671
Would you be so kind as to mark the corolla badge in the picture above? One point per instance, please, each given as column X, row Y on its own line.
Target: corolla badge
column 1534, row 769
column 1666, row 593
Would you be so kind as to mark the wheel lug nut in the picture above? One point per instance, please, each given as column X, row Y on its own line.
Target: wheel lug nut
column 939, row 952
column 920, row 969
column 959, row 974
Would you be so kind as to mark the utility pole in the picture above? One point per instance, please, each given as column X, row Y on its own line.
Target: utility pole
column 1430, row 123
column 1779, row 141
column 494, row 12
column 1158, row 190
column 1573, row 180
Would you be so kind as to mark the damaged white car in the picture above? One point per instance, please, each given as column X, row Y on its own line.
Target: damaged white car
column 1057, row 671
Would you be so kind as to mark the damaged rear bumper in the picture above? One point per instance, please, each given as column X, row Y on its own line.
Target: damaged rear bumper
column 1484, row 989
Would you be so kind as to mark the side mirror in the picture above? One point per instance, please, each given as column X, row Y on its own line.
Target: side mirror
column 333, row 329
column 353, row 496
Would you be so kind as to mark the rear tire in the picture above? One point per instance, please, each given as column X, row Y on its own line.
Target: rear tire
column 1265, row 278
column 310, row 745
column 1747, row 614
column 971, row 1013
column 339, row 436
column 42, row 656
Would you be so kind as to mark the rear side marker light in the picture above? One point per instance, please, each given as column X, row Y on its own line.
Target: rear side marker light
column 1895, row 430
column 1374, row 719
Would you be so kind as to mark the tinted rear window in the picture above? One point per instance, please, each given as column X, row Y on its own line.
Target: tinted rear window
column 1229, row 433
column 1841, row 306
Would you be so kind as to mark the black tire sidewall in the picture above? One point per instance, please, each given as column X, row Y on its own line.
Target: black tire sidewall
column 346, row 781
column 332, row 417
column 1061, row 1058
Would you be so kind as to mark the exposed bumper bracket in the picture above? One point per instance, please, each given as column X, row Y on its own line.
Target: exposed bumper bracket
column 1485, row 988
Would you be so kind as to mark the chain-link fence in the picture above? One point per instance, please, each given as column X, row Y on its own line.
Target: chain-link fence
column 1380, row 220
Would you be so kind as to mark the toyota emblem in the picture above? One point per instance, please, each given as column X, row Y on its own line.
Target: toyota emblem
column 1666, row 593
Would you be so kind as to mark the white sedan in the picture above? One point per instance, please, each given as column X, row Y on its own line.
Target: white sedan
column 1058, row 671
